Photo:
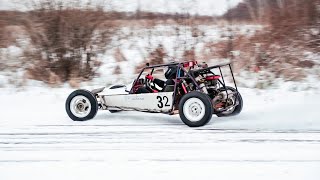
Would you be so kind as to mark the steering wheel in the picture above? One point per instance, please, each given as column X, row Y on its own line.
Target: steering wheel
column 148, row 82
column 150, row 85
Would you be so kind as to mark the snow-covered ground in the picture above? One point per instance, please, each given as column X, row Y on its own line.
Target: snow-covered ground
column 276, row 136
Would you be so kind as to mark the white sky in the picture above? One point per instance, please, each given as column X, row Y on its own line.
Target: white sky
column 202, row 7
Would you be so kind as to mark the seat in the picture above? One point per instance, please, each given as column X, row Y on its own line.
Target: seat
column 169, row 86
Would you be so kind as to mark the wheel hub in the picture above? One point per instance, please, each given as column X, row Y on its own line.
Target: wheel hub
column 194, row 109
column 80, row 106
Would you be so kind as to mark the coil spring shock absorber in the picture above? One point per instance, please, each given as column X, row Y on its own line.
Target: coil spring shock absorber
column 185, row 86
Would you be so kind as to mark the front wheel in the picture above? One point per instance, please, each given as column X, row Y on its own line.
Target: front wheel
column 81, row 105
column 195, row 109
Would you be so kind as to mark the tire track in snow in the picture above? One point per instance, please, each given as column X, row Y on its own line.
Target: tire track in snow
column 172, row 143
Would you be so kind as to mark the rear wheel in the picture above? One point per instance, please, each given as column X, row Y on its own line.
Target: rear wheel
column 237, row 98
column 81, row 105
column 195, row 109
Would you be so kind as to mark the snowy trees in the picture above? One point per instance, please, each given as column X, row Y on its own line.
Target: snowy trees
column 2, row 25
column 276, row 11
column 291, row 31
column 66, row 37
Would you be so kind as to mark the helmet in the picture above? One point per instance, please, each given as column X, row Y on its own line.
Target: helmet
column 171, row 73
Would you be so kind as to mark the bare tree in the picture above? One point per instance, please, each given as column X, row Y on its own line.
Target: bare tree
column 67, row 36
column 2, row 26
column 252, row 10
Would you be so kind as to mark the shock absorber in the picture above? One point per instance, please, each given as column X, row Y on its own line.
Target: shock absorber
column 185, row 86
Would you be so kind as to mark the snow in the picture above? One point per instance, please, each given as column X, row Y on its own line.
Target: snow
column 136, row 43
column 10, row 54
column 276, row 135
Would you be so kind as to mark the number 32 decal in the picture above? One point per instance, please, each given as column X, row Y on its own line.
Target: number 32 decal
column 163, row 101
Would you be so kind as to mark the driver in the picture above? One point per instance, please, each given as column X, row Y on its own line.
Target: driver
column 170, row 74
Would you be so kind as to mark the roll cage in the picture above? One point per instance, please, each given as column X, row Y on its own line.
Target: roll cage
column 188, row 71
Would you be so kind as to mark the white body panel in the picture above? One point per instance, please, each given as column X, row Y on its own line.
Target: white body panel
column 155, row 102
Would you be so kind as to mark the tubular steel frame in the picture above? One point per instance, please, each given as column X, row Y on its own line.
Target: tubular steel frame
column 189, row 75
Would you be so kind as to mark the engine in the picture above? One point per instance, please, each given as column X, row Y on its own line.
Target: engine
column 208, row 83
column 211, row 82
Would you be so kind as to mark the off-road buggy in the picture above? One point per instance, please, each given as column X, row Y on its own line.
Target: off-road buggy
column 193, row 90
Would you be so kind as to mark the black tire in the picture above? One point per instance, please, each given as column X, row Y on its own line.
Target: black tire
column 237, row 109
column 92, row 100
column 208, row 109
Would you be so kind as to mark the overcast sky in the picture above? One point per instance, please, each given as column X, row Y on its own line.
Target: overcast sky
column 202, row 7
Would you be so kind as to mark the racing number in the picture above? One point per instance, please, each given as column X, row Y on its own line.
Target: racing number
column 165, row 99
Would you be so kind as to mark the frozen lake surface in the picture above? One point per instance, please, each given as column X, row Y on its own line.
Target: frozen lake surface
column 272, row 138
